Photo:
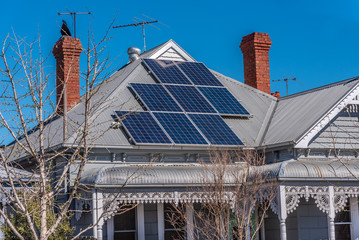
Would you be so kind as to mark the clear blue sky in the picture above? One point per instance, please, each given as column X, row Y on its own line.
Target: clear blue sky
column 314, row 41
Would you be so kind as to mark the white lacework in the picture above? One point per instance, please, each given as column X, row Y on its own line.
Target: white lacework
column 321, row 196
column 83, row 201
column 112, row 201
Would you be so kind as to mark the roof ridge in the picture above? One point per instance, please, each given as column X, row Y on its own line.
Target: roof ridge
column 320, row 88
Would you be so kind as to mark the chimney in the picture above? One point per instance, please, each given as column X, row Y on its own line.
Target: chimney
column 67, row 51
column 255, row 48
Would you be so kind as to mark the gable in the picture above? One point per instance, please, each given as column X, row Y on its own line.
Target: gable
column 342, row 132
column 168, row 51
column 350, row 98
column 171, row 54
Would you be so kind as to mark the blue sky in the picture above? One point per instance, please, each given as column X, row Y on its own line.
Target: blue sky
column 314, row 41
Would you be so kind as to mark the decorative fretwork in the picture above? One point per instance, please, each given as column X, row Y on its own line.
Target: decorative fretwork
column 112, row 201
column 321, row 196
column 82, row 202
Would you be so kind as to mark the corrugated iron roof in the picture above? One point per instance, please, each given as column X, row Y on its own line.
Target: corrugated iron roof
column 296, row 114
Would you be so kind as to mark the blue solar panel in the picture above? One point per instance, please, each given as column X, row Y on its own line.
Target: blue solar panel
column 166, row 71
column 180, row 128
column 199, row 74
column 155, row 97
column 190, row 99
column 223, row 100
column 215, row 129
column 142, row 127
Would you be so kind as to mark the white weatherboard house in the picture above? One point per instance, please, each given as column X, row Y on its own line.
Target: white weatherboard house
column 182, row 110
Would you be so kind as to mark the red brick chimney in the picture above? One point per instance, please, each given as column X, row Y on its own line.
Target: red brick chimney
column 67, row 51
column 255, row 48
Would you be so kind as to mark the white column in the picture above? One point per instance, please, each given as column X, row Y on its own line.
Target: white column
column 189, row 216
column 282, row 213
column 331, row 214
column 161, row 221
column 94, row 213
column 99, row 215
column 354, row 216
column 140, row 221
column 110, row 229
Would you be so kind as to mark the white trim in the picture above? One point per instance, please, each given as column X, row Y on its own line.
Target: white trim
column 354, row 216
column 282, row 212
column 94, row 213
column 331, row 214
column 168, row 45
column 303, row 142
column 190, row 222
column 99, row 215
column 140, row 221
column 110, row 229
column 160, row 221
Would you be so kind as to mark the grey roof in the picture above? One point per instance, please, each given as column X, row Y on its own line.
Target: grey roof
column 296, row 114
column 17, row 174
column 274, row 120
column 314, row 170
column 158, row 175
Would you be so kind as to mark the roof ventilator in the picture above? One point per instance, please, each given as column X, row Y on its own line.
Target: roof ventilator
column 133, row 53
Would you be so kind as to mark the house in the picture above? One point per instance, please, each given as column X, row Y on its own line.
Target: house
column 181, row 110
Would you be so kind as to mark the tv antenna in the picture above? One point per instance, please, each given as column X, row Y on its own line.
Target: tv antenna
column 286, row 80
column 142, row 23
column 73, row 15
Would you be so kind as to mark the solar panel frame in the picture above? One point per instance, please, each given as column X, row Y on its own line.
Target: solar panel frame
column 171, row 74
column 198, row 73
column 155, row 97
column 180, row 128
column 143, row 128
column 190, row 99
column 215, row 129
column 223, row 101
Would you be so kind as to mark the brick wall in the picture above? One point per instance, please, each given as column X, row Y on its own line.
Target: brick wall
column 255, row 48
column 67, row 51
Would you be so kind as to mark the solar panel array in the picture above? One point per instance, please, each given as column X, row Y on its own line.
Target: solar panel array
column 223, row 101
column 185, row 107
column 143, row 128
column 199, row 74
column 190, row 99
column 155, row 97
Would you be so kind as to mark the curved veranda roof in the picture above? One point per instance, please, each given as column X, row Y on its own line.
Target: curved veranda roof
column 159, row 175
column 315, row 170
column 187, row 175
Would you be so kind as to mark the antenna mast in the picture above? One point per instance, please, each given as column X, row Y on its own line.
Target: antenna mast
column 142, row 23
column 286, row 81
column 73, row 15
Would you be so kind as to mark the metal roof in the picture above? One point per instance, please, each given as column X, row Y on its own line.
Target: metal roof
column 158, row 175
column 274, row 120
column 295, row 114
column 314, row 170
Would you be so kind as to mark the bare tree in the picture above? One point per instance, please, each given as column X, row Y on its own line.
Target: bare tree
column 237, row 192
column 34, row 122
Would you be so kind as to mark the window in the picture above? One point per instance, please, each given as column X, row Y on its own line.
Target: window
column 125, row 224
column 342, row 224
column 174, row 222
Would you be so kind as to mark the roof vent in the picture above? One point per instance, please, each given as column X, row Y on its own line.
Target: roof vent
column 133, row 53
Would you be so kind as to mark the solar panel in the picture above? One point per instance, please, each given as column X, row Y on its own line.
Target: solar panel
column 180, row 128
column 223, row 100
column 142, row 127
column 166, row 71
column 190, row 99
column 199, row 73
column 155, row 97
column 215, row 129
